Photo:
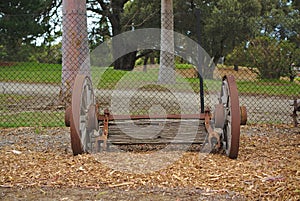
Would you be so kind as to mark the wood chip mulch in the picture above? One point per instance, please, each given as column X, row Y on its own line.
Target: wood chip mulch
column 268, row 166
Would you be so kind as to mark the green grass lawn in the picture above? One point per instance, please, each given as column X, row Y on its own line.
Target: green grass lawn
column 36, row 118
column 15, row 113
column 110, row 78
column 31, row 73
column 267, row 87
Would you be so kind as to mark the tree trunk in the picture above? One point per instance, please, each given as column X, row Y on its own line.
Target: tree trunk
column 235, row 67
column 145, row 63
column 167, row 66
column 152, row 60
column 75, row 48
column 125, row 62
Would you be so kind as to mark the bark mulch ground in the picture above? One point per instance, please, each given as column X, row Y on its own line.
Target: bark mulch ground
column 37, row 163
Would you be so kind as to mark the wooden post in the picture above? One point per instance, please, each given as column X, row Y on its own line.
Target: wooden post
column 75, row 49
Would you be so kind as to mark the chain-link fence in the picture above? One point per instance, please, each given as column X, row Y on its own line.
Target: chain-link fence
column 34, row 91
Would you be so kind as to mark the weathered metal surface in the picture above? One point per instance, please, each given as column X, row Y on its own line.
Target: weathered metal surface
column 101, row 141
column 219, row 116
column 213, row 137
column 244, row 116
column 68, row 114
column 296, row 104
column 220, row 131
column 83, row 120
column 233, row 118
column 74, row 119
column 111, row 117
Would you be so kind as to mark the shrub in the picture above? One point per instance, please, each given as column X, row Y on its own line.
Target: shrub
column 272, row 57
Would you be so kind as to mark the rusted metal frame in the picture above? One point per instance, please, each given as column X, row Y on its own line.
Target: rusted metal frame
column 213, row 137
column 158, row 143
column 101, row 141
column 296, row 105
column 101, row 117
column 235, row 117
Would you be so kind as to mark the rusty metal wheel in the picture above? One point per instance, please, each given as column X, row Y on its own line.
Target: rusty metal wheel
column 231, row 130
column 83, row 121
column 244, row 116
column 68, row 114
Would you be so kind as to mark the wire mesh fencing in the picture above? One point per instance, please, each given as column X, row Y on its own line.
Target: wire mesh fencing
column 33, row 92
column 30, row 94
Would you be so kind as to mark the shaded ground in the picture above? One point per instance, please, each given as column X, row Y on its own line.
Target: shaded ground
column 37, row 163
column 143, row 194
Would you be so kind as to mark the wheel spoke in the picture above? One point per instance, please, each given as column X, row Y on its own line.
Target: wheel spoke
column 89, row 98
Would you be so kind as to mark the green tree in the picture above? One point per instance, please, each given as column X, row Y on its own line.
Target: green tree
column 21, row 22
column 277, row 43
column 279, row 19
column 230, row 22
column 272, row 58
column 116, row 17
column 224, row 24
column 109, row 14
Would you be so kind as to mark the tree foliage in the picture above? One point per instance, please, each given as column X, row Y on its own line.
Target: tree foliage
column 225, row 26
column 21, row 22
column 272, row 58
column 229, row 23
column 276, row 45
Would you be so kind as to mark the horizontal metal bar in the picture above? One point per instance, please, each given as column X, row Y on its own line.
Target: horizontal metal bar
column 137, row 117
column 156, row 143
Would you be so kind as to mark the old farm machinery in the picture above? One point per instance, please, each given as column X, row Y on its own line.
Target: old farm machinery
column 91, row 132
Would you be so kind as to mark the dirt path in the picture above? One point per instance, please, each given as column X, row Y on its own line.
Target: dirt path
column 37, row 164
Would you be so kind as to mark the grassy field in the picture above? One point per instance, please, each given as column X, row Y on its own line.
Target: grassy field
column 267, row 87
column 15, row 113
column 24, row 111
column 31, row 73
column 110, row 78
column 37, row 118
column 51, row 73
